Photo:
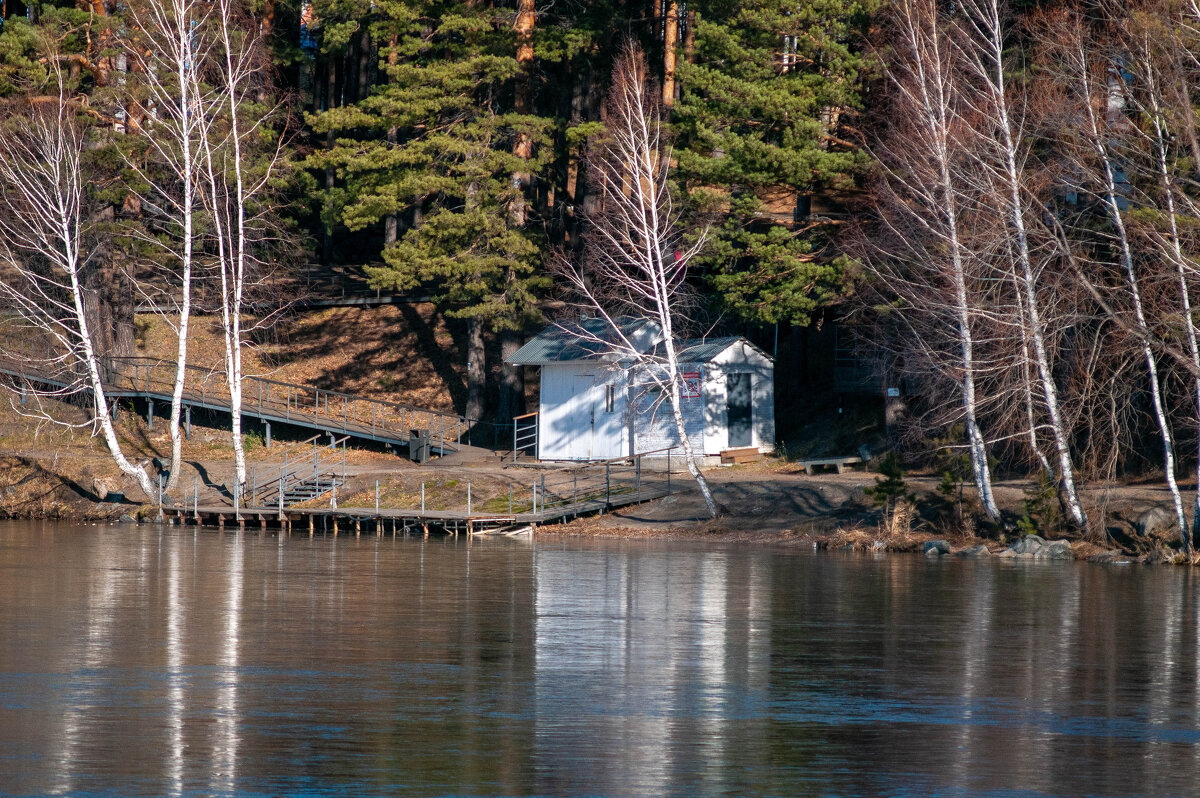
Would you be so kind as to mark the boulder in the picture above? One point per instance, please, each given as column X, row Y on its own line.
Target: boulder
column 1154, row 520
column 1028, row 546
column 126, row 518
column 1033, row 547
column 935, row 548
column 102, row 487
column 974, row 552
column 1058, row 550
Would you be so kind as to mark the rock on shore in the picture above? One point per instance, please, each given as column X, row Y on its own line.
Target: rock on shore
column 1032, row 547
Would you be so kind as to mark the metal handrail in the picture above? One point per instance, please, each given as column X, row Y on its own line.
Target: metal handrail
column 525, row 437
column 300, row 401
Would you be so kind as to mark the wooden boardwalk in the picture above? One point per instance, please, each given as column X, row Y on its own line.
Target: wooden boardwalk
column 328, row 520
column 557, row 496
column 269, row 401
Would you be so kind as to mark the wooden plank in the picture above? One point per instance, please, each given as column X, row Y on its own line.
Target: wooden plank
column 746, row 454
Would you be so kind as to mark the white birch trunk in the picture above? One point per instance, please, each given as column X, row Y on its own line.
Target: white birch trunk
column 1096, row 136
column 933, row 89
column 1010, row 174
column 233, row 334
column 1180, row 261
column 639, row 262
column 41, row 169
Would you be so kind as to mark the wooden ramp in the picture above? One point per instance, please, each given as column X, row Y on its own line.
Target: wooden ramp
column 269, row 401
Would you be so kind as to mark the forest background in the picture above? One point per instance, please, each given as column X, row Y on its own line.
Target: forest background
column 1000, row 198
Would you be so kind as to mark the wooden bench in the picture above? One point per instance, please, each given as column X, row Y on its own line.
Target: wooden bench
column 747, row 454
column 839, row 463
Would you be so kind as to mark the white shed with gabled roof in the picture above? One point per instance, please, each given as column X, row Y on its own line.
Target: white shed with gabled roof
column 595, row 406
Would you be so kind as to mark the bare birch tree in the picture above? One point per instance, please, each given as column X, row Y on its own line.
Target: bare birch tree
column 169, row 67
column 637, row 258
column 46, row 249
column 1155, row 59
column 232, row 187
column 923, row 206
column 1005, row 161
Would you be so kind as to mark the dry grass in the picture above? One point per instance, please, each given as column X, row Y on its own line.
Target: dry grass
column 401, row 353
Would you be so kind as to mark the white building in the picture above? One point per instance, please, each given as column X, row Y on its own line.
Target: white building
column 595, row 406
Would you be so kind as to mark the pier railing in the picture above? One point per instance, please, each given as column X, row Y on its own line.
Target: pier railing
column 300, row 404
column 305, row 473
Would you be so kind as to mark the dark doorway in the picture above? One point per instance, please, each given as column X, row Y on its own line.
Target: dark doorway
column 737, row 413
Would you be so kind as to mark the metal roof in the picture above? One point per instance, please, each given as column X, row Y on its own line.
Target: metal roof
column 703, row 350
column 583, row 340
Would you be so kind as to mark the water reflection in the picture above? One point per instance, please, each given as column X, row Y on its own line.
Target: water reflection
column 634, row 654
column 147, row 661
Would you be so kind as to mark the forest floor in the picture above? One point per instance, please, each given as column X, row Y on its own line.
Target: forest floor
column 56, row 471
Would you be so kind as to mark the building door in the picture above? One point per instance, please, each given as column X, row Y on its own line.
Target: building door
column 738, row 413
column 608, row 421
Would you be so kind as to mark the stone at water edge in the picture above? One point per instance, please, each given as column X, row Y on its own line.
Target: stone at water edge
column 1030, row 545
column 1156, row 519
column 974, row 552
column 935, row 548
column 127, row 519
column 1058, row 550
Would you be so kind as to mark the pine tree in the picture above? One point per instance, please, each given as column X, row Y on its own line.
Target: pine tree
column 765, row 96
column 435, row 144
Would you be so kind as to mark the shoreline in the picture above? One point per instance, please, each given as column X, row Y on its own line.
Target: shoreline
column 767, row 503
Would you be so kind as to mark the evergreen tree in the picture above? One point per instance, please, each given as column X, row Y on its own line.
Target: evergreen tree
column 767, row 90
column 436, row 144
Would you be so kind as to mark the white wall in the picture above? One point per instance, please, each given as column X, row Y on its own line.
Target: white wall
column 740, row 358
column 574, row 425
column 654, row 428
column 573, row 420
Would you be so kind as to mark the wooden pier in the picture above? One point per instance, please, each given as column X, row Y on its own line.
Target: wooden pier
column 357, row 520
column 557, row 495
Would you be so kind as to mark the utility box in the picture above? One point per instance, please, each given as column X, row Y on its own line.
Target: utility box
column 418, row 445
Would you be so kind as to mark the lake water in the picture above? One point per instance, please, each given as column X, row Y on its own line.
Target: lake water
column 159, row 661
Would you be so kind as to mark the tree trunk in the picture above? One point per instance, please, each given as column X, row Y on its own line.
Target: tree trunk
column 1015, row 212
column 364, row 61
column 689, row 36
column 476, row 370
column 523, row 146
column 512, row 378
column 391, row 222
column 670, row 45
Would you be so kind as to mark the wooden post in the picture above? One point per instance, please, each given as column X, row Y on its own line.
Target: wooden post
column 607, row 485
column 468, row 497
column 187, row 423
column 150, row 415
column 376, row 497
column 422, row 497
column 268, row 425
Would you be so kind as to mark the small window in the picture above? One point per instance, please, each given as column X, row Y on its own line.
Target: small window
column 610, row 398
